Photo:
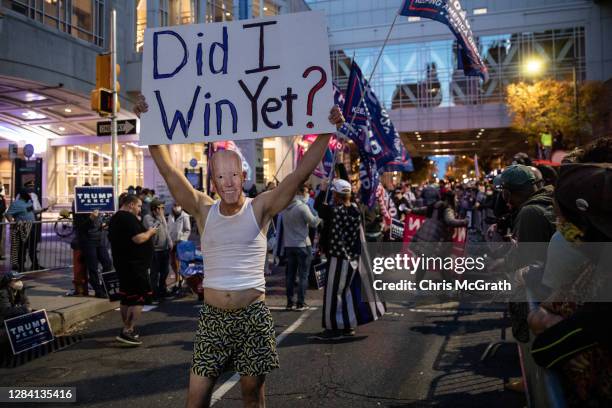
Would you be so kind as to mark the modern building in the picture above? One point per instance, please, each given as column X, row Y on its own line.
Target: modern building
column 439, row 111
column 48, row 51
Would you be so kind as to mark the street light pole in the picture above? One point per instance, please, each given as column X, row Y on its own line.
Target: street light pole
column 115, row 101
column 576, row 106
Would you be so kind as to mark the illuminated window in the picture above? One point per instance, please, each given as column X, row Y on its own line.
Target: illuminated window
column 141, row 23
column 83, row 19
column 480, row 11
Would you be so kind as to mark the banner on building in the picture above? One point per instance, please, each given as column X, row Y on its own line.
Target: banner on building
column 245, row 79
column 90, row 198
column 450, row 13
column 28, row 331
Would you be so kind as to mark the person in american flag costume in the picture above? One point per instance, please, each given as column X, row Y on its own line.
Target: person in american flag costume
column 349, row 300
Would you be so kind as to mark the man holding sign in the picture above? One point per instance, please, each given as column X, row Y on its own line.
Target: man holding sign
column 235, row 324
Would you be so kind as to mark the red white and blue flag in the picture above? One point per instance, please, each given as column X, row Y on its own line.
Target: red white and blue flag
column 384, row 142
column 449, row 12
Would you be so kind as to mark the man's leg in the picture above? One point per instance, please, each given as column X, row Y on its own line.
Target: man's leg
column 200, row 391
column 164, row 270
column 303, row 269
column 104, row 258
column 91, row 261
column 253, row 392
column 292, row 266
column 124, row 314
column 154, row 276
column 133, row 314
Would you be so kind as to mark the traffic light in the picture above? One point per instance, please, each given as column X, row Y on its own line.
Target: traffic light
column 102, row 96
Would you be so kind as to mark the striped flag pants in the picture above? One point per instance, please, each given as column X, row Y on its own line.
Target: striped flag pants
column 345, row 305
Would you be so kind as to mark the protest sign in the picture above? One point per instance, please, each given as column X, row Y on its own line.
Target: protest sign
column 90, row 198
column 28, row 331
column 320, row 273
column 111, row 285
column 412, row 223
column 245, row 79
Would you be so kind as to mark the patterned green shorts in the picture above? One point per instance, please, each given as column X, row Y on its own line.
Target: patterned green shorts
column 241, row 340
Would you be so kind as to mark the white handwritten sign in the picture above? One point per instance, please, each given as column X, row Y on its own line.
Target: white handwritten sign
column 237, row 80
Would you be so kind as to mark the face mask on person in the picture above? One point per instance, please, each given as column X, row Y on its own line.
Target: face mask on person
column 16, row 284
column 148, row 199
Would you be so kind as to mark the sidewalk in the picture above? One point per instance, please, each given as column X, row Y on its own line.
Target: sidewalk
column 47, row 290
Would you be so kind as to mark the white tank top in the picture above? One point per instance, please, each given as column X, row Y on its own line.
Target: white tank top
column 234, row 250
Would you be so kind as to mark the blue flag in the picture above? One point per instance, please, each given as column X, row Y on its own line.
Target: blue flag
column 449, row 12
column 368, row 171
column 339, row 99
column 384, row 143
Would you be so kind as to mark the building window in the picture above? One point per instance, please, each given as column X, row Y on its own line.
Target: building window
column 480, row 11
column 82, row 19
column 182, row 12
column 163, row 13
column 264, row 8
column 219, row 10
column 141, row 23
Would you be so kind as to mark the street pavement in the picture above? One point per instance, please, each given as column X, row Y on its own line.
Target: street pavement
column 415, row 356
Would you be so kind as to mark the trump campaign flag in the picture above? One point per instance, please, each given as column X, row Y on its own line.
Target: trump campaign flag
column 384, row 144
column 449, row 12
column 368, row 172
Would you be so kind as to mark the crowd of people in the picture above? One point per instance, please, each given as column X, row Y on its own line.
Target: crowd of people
column 562, row 207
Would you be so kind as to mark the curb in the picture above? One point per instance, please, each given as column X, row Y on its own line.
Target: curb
column 61, row 320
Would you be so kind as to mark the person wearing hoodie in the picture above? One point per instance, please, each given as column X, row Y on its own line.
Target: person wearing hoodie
column 534, row 219
column 179, row 227
column 437, row 229
column 297, row 217
column 13, row 299
column 160, row 267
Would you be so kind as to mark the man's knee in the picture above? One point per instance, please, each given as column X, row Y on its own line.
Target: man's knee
column 200, row 391
column 252, row 390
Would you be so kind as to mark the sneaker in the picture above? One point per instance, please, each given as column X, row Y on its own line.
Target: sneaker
column 348, row 332
column 289, row 306
column 128, row 338
column 135, row 334
column 328, row 334
column 301, row 307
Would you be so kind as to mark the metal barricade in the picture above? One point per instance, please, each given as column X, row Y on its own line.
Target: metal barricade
column 36, row 246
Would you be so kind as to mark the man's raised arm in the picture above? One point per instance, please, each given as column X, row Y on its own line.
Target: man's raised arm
column 276, row 200
column 183, row 192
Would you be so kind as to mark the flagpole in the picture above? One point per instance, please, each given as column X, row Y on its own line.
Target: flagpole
column 285, row 158
column 331, row 174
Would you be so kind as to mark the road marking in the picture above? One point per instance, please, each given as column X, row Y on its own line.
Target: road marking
column 234, row 379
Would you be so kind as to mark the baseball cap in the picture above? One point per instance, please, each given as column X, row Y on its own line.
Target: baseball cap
column 584, row 193
column 157, row 203
column 341, row 186
column 12, row 275
column 515, row 177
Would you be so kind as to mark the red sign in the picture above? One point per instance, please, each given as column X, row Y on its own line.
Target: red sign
column 411, row 225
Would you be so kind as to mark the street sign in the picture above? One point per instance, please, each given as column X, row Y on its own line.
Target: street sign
column 193, row 163
column 124, row 127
